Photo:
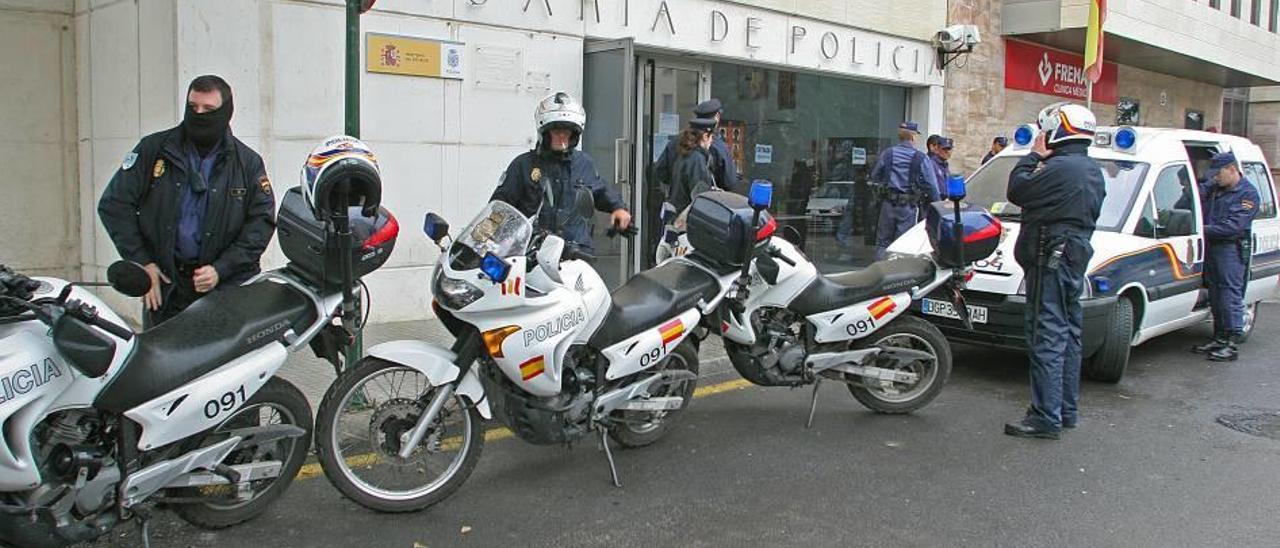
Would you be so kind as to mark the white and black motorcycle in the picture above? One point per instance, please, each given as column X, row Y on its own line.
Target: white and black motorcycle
column 785, row 324
column 100, row 422
column 541, row 344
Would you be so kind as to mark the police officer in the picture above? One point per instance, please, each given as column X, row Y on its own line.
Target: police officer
column 560, row 120
column 1230, row 203
column 902, row 181
column 939, row 160
column 193, row 204
column 997, row 146
column 722, row 165
column 1060, row 190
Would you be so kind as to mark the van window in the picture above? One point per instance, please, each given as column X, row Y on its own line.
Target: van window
column 1174, row 197
column 1146, row 226
column 988, row 188
column 1257, row 174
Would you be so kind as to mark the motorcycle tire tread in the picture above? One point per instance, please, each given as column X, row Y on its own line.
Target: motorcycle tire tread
column 925, row 330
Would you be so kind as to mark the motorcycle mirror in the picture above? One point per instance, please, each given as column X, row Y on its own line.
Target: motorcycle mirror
column 435, row 227
column 584, row 203
column 792, row 234
column 129, row 278
column 549, row 255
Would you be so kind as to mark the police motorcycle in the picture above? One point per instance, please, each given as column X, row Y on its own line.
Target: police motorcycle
column 785, row 324
column 101, row 422
column 541, row 345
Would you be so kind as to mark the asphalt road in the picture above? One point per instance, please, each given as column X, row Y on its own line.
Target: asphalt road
column 1149, row 466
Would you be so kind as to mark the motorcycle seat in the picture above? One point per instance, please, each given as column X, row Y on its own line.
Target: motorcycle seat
column 882, row 278
column 215, row 330
column 652, row 297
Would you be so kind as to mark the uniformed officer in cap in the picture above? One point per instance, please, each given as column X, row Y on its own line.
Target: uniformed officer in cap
column 691, row 175
column 1060, row 190
column 940, row 160
column 1230, row 203
column 192, row 204
column 722, row 165
column 560, row 120
column 997, row 146
column 902, row 179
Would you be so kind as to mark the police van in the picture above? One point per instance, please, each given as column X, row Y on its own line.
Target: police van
column 1144, row 279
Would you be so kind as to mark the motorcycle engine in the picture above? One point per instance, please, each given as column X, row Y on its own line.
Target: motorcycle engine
column 777, row 357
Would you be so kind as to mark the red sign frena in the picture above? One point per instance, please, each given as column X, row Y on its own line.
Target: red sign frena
column 1035, row 68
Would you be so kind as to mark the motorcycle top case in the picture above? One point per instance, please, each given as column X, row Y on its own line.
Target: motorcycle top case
column 981, row 233
column 312, row 245
column 719, row 226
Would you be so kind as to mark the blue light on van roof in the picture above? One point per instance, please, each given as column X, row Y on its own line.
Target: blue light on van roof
column 1126, row 138
column 1024, row 135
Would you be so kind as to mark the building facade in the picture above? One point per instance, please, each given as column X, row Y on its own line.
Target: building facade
column 1169, row 64
column 813, row 90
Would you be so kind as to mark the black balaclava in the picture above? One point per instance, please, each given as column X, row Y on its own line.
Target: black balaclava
column 205, row 129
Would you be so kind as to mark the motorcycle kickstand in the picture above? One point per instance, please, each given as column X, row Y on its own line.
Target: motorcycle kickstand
column 608, row 455
column 144, row 526
column 813, row 403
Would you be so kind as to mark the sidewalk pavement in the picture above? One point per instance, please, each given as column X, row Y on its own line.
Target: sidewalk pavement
column 313, row 375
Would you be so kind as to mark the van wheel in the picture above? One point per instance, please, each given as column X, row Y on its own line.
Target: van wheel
column 1250, row 320
column 1109, row 362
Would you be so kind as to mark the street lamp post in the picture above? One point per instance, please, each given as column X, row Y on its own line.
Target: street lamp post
column 352, row 122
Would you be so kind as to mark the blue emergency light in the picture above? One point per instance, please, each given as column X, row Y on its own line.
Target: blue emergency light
column 955, row 187
column 761, row 195
column 1024, row 135
column 1102, row 285
column 494, row 267
column 1126, row 138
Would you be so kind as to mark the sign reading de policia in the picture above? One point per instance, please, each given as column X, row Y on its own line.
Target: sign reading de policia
column 1035, row 68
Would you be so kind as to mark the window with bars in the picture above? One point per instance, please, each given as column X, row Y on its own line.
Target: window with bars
column 1235, row 8
column 1255, row 16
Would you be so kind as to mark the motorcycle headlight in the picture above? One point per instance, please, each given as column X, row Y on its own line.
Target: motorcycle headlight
column 454, row 294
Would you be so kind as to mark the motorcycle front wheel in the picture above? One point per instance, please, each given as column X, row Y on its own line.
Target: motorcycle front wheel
column 890, row 397
column 360, row 429
column 276, row 403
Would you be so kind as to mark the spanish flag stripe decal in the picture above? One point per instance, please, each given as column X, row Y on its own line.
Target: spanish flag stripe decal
column 882, row 307
column 671, row 330
column 532, row 368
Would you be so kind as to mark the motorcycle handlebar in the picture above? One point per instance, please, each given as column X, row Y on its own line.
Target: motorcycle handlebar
column 89, row 315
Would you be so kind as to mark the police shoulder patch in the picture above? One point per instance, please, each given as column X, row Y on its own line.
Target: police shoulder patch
column 129, row 159
column 264, row 183
column 1247, row 204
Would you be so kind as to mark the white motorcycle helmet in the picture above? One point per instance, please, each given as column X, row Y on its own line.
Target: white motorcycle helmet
column 1066, row 122
column 341, row 159
column 560, row 110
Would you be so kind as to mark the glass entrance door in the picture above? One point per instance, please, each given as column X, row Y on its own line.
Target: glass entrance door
column 609, row 98
column 670, row 92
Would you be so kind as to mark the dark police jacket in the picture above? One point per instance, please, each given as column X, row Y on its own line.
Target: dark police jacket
column 722, row 166
column 521, row 186
column 690, row 176
column 1060, row 200
column 1228, row 214
column 140, row 206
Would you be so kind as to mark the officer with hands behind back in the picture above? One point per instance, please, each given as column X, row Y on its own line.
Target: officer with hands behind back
column 1060, row 190
column 903, row 178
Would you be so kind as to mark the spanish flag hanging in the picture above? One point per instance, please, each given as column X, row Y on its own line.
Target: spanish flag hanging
column 1093, row 40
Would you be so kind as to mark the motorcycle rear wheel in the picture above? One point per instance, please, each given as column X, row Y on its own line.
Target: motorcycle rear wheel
column 643, row 428
column 277, row 402
column 894, row 398
column 382, row 412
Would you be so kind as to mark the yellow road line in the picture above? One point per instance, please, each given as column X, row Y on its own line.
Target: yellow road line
column 314, row 469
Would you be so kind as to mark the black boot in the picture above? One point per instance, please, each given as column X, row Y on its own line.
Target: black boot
column 1219, row 340
column 1228, row 352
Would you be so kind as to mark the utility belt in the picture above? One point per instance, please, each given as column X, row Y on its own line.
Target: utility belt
column 894, row 197
column 1055, row 245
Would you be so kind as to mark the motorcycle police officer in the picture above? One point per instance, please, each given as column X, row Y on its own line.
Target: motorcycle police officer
column 1060, row 190
column 722, row 166
column 192, row 204
column 902, row 181
column 1230, row 204
column 560, row 120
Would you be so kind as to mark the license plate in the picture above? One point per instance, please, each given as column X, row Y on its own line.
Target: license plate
column 935, row 307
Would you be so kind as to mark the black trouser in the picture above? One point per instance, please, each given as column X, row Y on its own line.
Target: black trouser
column 177, row 297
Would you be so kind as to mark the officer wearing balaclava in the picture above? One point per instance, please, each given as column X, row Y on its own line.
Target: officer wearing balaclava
column 192, row 204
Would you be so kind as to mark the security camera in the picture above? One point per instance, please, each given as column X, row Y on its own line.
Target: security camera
column 957, row 38
column 954, row 42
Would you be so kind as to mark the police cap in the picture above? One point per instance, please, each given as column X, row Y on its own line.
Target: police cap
column 1222, row 159
column 708, row 108
column 702, row 124
column 910, row 126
